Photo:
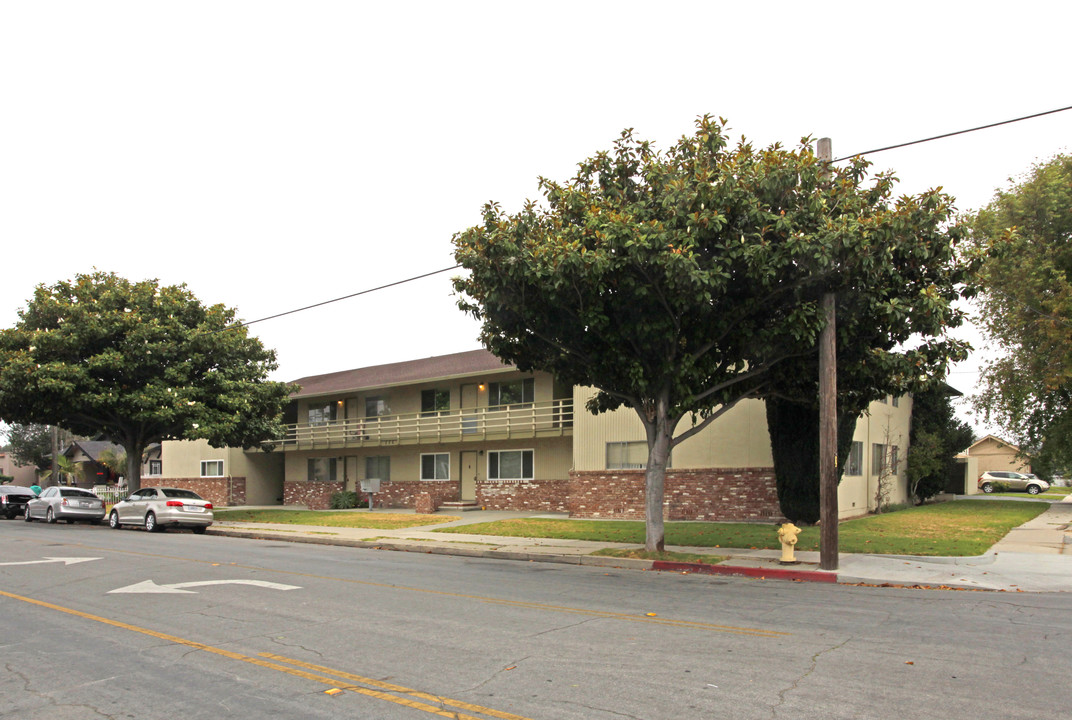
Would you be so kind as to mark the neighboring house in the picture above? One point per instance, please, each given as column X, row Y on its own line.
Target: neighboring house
column 993, row 453
column 25, row 475
column 469, row 431
column 87, row 453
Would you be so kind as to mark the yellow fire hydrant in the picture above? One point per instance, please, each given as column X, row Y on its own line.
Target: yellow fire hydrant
column 787, row 534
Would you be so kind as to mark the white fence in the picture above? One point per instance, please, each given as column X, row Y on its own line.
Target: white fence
column 109, row 493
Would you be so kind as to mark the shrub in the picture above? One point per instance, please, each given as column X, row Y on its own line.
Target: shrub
column 344, row 500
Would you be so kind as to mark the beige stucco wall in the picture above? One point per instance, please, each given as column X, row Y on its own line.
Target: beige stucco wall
column 883, row 424
column 992, row 454
column 263, row 471
column 737, row 439
column 740, row 439
column 24, row 475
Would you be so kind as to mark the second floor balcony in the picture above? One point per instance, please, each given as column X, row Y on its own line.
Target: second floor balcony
column 503, row 422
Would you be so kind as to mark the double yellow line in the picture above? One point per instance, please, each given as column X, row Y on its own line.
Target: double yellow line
column 337, row 679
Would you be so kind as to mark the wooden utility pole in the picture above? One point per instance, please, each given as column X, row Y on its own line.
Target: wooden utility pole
column 828, row 484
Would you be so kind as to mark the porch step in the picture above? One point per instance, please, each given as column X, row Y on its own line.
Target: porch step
column 459, row 505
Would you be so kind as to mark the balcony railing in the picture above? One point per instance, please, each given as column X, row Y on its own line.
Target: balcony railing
column 526, row 420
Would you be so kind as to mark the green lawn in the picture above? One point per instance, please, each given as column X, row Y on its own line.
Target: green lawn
column 342, row 518
column 963, row 528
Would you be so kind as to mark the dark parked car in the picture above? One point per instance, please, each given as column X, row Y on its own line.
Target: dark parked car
column 13, row 499
column 65, row 503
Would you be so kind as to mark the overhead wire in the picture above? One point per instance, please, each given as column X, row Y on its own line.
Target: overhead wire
column 841, row 159
column 951, row 134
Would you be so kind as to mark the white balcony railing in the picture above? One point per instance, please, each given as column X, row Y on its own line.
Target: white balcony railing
column 505, row 421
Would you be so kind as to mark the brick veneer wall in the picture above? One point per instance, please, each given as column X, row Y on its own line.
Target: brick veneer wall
column 705, row 494
column 403, row 494
column 314, row 495
column 317, row 495
column 221, row 492
column 540, row 495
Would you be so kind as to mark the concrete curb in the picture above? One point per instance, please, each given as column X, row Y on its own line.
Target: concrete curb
column 763, row 573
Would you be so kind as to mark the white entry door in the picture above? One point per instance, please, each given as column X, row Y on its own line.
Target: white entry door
column 469, row 471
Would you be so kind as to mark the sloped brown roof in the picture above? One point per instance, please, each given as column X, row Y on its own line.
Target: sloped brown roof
column 400, row 373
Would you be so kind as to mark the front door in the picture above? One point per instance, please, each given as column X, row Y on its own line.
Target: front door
column 469, row 469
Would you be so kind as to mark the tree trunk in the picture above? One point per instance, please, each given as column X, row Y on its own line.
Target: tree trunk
column 660, row 433
column 133, row 468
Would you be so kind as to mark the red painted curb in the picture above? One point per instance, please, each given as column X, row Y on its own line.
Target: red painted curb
column 773, row 573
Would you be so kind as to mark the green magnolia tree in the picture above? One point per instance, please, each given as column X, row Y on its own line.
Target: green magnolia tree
column 1026, row 386
column 137, row 363
column 31, row 445
column 676, row 282
column 937, row 436
column 879, row 352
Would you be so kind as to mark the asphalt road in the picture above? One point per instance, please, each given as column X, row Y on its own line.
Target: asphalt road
column 180, row 625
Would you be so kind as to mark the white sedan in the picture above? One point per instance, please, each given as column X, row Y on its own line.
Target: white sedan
column 156, row 508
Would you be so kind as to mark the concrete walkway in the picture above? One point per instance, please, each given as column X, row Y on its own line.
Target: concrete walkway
column 1035, row 557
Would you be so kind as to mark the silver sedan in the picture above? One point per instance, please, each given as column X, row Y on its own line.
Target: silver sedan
column 156, row 508
column 65, row 503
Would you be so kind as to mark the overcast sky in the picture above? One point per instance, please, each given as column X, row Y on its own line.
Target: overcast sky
column 272, row 155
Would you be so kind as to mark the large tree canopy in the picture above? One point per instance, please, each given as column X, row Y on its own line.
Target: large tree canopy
column 879, row 353
column 137, row 363
column 676, row 282
column 1027, row 310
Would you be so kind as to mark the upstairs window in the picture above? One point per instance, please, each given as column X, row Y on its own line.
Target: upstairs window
column 515, row 392
column 376, row 406
column 435, row 401
column 322, row 414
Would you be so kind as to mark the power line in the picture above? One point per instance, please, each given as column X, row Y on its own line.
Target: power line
column 345, row 297
column 847, row 157
column 951, row 134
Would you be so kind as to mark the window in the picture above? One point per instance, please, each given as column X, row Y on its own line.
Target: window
column 378, row 466
column 878, row 458
column 510, row 465
column 895, row 401
column 322, row 469
column 435, row 401
column 156, row 467
column 514, row 392
column 854, row 465
column 376, row 406
column 435, row 466
column 884, row 458
column 212, row 468
column 322, row 414
column 628, row 455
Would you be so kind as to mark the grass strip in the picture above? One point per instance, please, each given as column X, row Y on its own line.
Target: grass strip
column 959, row 528
column 342, row 518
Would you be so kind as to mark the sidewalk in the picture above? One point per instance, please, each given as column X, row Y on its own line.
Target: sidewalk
column 1035, row 557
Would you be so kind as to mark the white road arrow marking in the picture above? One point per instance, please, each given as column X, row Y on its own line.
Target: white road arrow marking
column 65, row 561
column 149, row 586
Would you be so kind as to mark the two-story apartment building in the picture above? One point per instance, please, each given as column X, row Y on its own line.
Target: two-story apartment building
column 467, row 430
